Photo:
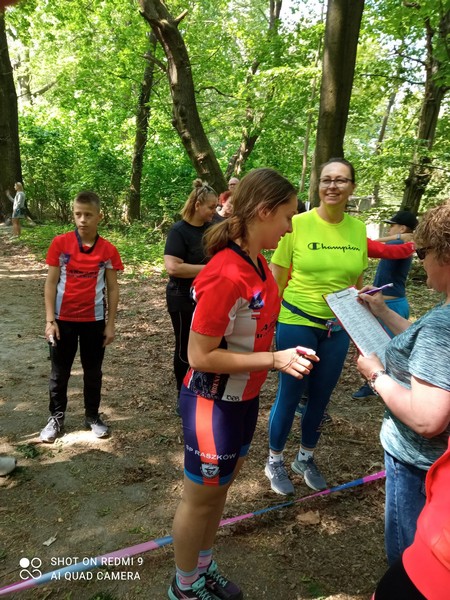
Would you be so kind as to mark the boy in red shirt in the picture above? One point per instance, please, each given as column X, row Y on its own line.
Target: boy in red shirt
column 82, row 267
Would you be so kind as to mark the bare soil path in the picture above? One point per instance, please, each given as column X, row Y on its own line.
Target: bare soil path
column 97, row 496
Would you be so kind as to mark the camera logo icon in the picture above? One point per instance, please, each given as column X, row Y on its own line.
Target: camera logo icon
column 30, row 568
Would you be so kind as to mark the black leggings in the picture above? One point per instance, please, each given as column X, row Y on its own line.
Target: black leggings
column 396, row 585
column 181, row 322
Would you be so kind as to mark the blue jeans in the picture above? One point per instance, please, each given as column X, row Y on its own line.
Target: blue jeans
column 405, row 498
column 332, row 350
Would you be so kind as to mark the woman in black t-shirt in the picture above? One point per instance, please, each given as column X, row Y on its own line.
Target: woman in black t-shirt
column 184, row 258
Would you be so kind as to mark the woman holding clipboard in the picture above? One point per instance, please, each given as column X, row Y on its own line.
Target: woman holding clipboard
column 415, row 387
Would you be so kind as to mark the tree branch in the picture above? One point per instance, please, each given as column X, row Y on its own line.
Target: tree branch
column 155, row 61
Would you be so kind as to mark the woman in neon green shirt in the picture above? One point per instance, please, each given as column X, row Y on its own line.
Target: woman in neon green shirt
column 327, row 251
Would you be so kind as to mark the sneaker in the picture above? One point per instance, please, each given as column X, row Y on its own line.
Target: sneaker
column 279, row 479
column 220, row 586
column 99, row 428
column 198, row 591
column 310, row 473
column 54, row 427
column 364, row 392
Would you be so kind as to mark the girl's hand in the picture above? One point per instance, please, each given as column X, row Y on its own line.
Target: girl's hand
column 295, row 361
column 368, row 365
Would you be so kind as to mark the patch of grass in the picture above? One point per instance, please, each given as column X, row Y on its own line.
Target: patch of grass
column 102, row 512
column 313, row 587
column 28, row 450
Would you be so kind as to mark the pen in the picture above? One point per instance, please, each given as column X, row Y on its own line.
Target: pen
column 378, row 289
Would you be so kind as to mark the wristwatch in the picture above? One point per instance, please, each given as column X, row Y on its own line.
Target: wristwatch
column 374, row 376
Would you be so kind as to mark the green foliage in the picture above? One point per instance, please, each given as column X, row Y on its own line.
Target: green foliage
column 78, row 70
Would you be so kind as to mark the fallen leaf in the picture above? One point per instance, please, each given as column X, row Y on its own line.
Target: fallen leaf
column 309, row 518
column 50, row 541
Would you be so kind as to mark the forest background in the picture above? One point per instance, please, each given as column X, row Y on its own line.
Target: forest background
column 102, row 101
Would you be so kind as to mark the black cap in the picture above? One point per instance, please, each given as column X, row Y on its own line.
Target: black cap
column 403, row 217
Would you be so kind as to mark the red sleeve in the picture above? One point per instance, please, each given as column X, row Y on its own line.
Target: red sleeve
column 116, row 262
column 394, row 251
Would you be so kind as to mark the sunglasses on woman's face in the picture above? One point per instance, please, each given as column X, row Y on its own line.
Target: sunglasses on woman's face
column 422, row 252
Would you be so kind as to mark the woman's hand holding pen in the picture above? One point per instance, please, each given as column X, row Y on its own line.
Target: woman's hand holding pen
column 297, row 362
column 373, row 300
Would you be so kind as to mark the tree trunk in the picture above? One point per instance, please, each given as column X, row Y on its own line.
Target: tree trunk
column 420, row 170
column 250, row 132
column 339, row 58
column 10, row 167
column 186, row 119
column 140, row 141
column 392, row 97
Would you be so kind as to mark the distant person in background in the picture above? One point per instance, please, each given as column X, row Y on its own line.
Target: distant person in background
column 224, row 197
column 232, row 183
column 396, row 272
column 18, row 208
column 184, row 258
column 226, row 210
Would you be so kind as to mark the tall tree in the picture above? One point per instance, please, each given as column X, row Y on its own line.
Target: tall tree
column 10, row 166
column 186, row 118
column 252, row 126
column 339, row 57
column 140, row 141
column 437, row 83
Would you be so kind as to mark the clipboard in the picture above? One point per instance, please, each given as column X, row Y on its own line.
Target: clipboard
column 361, row 325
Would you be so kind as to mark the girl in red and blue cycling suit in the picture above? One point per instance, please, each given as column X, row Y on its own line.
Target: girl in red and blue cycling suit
column 229, row 355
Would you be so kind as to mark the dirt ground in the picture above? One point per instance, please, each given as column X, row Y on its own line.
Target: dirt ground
column 98, row 496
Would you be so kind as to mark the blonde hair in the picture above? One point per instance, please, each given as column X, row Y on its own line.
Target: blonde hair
column 19, row 186
column 261, row 188
column 433, row 231
column 200, row 193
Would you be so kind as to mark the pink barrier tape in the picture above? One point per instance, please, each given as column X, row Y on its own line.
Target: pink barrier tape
column 102, row 561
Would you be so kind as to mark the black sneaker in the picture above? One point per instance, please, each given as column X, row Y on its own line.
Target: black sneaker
column 54, row 427
column 220, row 586
column 198, row 591
column 364, row 392
column 99, row 429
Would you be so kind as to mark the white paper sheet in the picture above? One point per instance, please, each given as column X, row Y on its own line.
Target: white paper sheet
column 361, row 325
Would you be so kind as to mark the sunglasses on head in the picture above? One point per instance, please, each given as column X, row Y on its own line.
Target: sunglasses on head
column 422, row 252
